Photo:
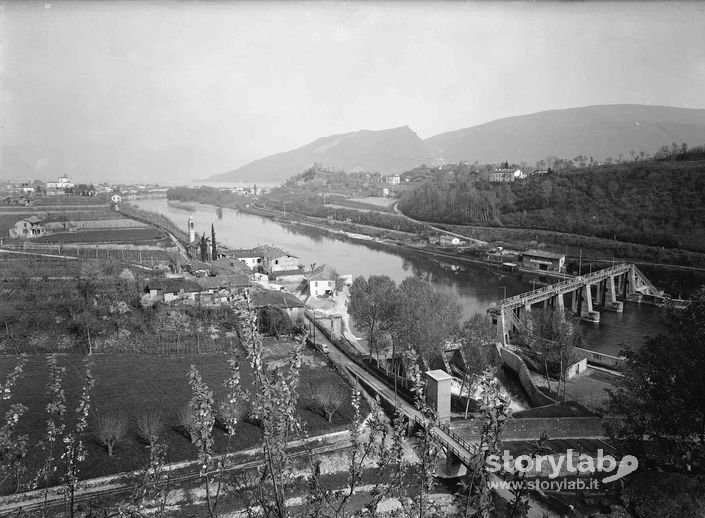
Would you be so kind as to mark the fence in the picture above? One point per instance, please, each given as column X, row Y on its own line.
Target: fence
column 614, row 362
column 143, row 254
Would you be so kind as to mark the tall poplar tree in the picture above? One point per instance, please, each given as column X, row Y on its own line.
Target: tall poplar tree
column 214, row 248
column 204, row 248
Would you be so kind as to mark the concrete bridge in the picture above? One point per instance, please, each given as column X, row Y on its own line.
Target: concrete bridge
column 585, row 295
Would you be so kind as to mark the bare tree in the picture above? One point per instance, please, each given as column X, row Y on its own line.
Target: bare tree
column 149, row 426
column 331, row 397
column 185, row 421
column 110, row 430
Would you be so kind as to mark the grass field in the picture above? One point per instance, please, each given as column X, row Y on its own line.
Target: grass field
column 134, row 384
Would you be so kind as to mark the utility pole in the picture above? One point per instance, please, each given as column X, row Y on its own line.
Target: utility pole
column 580, row 263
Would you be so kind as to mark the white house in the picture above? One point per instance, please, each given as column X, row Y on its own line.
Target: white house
column 251, row 257
column 321, row 282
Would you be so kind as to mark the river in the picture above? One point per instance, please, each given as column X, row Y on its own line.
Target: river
column 476, row 286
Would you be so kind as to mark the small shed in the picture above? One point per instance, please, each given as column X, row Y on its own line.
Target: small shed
column 543, row 260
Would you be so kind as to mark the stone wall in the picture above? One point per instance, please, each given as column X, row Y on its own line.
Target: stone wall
column 516, row 364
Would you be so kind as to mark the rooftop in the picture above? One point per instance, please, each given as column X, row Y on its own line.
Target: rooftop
column 323, row 273
column 244, row 253
column 271, row 252
column 544, row 253
column 280, row 299
column 174, row 285
column 439, row 375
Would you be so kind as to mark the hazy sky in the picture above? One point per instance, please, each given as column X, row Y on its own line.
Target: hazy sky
column 167, row 91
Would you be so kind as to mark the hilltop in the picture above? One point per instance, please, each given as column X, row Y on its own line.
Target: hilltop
column 386, row 152
column 597, row 131
column 600, row 132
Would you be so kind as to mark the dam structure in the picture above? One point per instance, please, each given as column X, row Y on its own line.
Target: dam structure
column 584, row 295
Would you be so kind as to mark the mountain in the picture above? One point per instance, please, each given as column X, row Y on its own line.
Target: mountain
column 597, row 131
column 387, row 152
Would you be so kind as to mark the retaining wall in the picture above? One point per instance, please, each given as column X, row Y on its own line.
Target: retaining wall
column 516, row 364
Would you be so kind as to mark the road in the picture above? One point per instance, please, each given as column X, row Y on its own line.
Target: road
column 461, row 236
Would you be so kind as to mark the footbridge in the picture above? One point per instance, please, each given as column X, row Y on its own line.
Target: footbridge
column 584, row 295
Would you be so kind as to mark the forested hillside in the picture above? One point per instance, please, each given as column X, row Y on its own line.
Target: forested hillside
column 656, row 202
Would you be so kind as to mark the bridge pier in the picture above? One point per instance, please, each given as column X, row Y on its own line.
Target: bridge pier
column 452, row 467
column 587, row 313
column 612, row 285
column 560, row 304
column 611, row 302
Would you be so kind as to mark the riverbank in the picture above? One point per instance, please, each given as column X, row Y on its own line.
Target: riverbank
column 677, row 272
column 399, row 240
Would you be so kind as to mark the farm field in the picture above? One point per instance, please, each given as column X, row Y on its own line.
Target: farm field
column 8, row 216
column 133, row 236
column 131, row 385
column 377, row 201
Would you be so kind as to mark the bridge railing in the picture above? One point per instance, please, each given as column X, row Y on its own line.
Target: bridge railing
column 566, row 285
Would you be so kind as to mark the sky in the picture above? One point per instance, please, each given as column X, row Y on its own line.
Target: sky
column 168, row 92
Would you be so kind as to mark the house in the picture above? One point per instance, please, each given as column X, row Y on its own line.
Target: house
column 286, row 302
column 28, row 228
column 176, row 288
column 321, row 281
column 251, row 257
column 543, row 260
column 275, row 260
column 506, row 175
column 393, row 179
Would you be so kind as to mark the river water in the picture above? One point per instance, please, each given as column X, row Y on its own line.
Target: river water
column 476, row 286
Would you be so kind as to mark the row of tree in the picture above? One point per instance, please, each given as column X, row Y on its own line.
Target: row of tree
column 413, row 319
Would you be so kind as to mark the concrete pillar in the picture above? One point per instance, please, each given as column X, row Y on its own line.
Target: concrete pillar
column 575, row 301
column 632, row 294
column 611, row 302
column 452, row 467
column 560, row 304
column 586, row 310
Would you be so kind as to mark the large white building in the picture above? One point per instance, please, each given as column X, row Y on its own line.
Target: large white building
column 506, row 175
column 62, row 183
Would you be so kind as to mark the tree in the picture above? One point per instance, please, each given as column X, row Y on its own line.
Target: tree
column 477, row 340
column 331, row 397
column 373, row 304
column 214, row 248
column 426, row 318
column 662, row 395
column 203, row 245
column 150, row 426
column 110, row 430
column 551, row 337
